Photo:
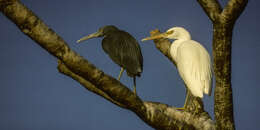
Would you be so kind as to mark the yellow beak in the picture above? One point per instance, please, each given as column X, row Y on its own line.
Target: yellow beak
column 93, row 35
column 161, row 35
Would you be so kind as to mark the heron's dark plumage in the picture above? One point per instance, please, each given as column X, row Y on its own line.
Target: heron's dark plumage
column 123, row 49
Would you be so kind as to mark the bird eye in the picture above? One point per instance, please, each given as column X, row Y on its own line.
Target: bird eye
column 169, row 32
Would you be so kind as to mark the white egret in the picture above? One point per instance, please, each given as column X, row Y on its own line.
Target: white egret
column 192, row 61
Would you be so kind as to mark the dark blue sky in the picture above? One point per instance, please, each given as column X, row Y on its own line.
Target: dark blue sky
column 34, row 96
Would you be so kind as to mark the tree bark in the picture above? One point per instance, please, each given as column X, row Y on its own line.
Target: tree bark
column 223, row 22
column 157, row 115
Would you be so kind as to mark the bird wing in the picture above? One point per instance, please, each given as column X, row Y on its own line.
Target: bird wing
column 110, row 46
column 124, row 50
column 194, row 66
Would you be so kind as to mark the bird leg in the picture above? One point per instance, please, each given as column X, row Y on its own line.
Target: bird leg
column 186, row 100
column 134, row 86
column 120, row 74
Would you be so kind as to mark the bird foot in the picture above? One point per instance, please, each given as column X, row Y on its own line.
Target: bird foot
column 135, row 93
column 181, row 108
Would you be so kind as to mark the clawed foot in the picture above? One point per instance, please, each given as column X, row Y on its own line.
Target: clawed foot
column 181, row 108
column 135, row 92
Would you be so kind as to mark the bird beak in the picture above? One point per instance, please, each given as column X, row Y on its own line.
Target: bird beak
column 162, row 35
column 93, row 35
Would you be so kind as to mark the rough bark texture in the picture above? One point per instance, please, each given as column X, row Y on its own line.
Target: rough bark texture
column 222, row 67
column 157, row 115
column 223, row 23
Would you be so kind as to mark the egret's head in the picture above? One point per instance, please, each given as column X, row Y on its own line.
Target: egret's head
column 100, row 33
column 172, row 33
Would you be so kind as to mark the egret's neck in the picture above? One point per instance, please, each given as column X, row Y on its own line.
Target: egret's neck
column 173, row 49
column 184, row 36
column 176, row 44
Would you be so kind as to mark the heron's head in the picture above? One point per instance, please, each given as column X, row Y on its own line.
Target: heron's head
column 172, row 33
column 100, row 33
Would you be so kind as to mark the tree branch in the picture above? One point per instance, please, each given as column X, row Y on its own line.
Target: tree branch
column 167, row 116
column 233, row 10
column 222, row 43
column 89, row 86
column 201, row 121
column 33, row 27
column 163, row 45
column 96, row 80
column 212, row 8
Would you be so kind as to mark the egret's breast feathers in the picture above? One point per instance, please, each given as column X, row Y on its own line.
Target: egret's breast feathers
column 194, row 66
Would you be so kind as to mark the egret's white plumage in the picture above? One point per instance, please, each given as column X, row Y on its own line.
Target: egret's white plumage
column 192, row 60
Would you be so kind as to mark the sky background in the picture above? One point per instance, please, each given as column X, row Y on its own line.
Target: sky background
column 35, row 96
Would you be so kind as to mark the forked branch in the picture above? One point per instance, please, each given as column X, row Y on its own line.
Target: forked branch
column 222, row 43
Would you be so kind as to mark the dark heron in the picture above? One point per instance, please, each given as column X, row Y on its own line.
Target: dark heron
column 122, row 48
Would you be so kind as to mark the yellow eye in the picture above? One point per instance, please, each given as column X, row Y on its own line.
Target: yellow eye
column 169, row 32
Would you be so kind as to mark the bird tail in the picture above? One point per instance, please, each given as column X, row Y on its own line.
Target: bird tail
column 134, row 81
column 139, row 71
column 208, row 87
column 134, row 85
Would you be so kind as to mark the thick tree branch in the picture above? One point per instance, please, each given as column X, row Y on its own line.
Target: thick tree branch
column 212, row 9
column 33, row 27
column 233, row 10
column 163, row 45
column 223, row 106
column 156, row 112
column 222, row 41
column 89, row 86
column 201, row 121
column 97, row 81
